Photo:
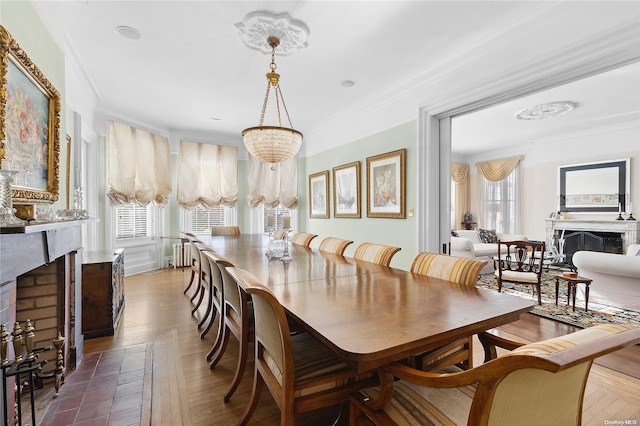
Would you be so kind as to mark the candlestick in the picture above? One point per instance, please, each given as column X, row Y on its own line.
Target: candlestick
column 271, row 220
column 286, row 222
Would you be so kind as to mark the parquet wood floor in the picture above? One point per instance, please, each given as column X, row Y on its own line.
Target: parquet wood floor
column 186, row 392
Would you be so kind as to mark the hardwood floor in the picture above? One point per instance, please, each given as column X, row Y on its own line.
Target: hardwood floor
column 187, row 392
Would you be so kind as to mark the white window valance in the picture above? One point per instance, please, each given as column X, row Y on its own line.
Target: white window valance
column 138, row 164
column 273, row 185
column 207, row 175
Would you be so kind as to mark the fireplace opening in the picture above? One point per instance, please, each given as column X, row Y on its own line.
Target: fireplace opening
column 607, row 242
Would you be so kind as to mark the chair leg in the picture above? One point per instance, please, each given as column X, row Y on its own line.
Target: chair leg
column 243, row 352
column 190, row 282
column 200, row 298
column 219, row 337
column 212, row 319
column 539, row 294
column 220, row 349
column 208, row 311
column 197, row 288
column 258, row 383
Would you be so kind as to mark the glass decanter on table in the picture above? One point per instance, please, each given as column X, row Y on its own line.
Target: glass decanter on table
column 286, row 227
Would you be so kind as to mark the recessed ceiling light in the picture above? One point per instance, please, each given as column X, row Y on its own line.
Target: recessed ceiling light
column 128, row 32
column 548, row 110
column 347, row 83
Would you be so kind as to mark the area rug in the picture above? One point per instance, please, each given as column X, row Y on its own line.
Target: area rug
column 597, row 314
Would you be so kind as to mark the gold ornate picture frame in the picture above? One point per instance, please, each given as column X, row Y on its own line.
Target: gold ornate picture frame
column 346, row 190
column 29, row 125
column 386, row 185
column 319, row 195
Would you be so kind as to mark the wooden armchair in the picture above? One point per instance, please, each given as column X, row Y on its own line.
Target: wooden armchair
column 536, row 384
column 334, row 245
column 194, row 261
column 520, row 262
column 225, row 231
column 301, row 373
column 459, row 270
column 302, row 238
column 237, row 320
column 375, row 253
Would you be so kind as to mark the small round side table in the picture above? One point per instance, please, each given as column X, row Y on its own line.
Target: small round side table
column 572, row 283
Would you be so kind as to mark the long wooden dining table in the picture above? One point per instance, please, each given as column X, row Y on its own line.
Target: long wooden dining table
column 368, row 314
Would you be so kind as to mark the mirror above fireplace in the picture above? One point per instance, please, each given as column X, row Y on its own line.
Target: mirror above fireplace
column 594, row 187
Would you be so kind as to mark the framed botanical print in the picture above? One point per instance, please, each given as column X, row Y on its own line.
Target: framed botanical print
column 319, row 195
column 29, row 125
column 346, row 190
column 386, row 185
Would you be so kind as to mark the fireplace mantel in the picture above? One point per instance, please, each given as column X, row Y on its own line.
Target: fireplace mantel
column 628, row 229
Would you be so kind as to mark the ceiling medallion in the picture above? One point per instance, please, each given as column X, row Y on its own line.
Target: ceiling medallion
column 548, row 110
column 257, row 27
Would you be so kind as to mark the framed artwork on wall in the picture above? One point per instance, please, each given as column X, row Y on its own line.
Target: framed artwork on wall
column 319, row 195
column 346, row 190
column 386, row 185
column 29, row 125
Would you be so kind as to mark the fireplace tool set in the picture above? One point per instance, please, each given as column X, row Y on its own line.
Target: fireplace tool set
column 26, row 365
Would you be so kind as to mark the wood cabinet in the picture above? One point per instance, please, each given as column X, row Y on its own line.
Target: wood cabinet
column 102, row 292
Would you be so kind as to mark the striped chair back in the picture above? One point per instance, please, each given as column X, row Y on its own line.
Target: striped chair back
column 225, row 231
column 334, row 245
column 302, row 238
column 375, row 253
column 279, row 234
column 460, row 270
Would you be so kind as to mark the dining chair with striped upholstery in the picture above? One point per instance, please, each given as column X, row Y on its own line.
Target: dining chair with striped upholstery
column 302, row 238
column 225, row 231
column 279, row 234
column 539, row 383
column 375, row 253
column 458, row 270
column 334, row 245
column 300, row 372
column 201, row 268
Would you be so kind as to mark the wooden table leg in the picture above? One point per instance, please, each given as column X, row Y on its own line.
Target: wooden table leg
column 586, row 295
column 557, row 286
column 575, row 290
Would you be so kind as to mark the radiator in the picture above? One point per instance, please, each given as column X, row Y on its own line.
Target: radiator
column 181, row 255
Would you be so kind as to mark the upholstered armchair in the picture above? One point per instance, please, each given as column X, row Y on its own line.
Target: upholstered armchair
column 540, row 383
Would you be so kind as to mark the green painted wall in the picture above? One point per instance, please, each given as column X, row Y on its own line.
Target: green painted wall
column 395, row 232
column 25, row 26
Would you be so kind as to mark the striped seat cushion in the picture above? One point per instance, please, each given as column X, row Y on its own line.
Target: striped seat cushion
column 414, row 405
column 314, row 364
column 460, row 270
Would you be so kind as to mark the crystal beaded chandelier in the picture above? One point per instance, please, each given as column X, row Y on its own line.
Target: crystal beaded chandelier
column 273, row 144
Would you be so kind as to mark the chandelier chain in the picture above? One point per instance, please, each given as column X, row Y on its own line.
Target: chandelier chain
column 264, row 105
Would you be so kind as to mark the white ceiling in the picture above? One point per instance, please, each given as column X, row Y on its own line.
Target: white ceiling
column 608, row 99
column 191, row 64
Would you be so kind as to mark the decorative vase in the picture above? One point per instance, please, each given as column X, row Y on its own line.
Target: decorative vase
column 7, row 212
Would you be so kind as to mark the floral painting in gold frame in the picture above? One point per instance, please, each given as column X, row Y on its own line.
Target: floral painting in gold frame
column 386, row 185
column 346, row 190
column 319, row 195
column 29, row 125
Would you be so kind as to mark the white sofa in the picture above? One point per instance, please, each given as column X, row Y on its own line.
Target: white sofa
column 468, row 244
column 616, row 277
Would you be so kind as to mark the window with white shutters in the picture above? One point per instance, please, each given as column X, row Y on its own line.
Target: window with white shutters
column 203, row 220
column 131, row 221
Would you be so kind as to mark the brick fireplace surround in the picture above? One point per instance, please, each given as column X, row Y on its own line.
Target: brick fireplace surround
column 41, row 280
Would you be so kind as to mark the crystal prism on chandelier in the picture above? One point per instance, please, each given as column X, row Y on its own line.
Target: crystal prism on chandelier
column 273, row 144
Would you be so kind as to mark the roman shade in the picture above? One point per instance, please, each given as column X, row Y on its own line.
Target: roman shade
column 138, row 166
column 207, row 175
column 273, row 184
